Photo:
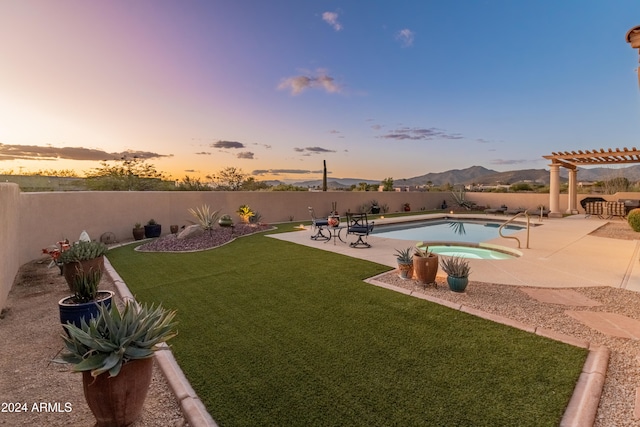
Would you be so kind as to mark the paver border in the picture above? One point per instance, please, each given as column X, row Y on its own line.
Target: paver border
column 583, row 405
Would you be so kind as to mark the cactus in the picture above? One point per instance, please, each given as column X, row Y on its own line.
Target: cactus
column 455, row 266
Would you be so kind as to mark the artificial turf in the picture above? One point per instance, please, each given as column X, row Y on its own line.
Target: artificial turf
column 276, row 334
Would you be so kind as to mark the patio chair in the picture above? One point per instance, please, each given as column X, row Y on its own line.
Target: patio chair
column 616, row 209
column 359, row 225
column 319, row 226
column 594, row 208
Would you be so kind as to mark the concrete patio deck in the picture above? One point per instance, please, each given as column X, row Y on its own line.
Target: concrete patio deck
column 561, row 254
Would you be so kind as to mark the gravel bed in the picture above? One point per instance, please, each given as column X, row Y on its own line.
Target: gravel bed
column 207, row 240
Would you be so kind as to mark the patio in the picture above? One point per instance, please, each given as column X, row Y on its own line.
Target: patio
column 562, row 254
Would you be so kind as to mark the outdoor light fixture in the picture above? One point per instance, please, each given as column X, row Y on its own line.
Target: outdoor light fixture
column 633, row 37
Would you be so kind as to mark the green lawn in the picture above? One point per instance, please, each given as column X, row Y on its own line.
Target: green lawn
column 276, row 334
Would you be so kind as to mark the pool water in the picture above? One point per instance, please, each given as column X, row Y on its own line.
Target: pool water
column 448, row 230
column 471, row 252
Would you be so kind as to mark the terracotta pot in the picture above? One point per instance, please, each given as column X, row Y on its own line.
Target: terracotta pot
column 405, row 271
column 138, row 233
column 118, row 401
column 425, row 268
column 73, row 269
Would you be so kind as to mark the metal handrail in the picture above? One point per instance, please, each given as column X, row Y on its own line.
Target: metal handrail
column 526, row 213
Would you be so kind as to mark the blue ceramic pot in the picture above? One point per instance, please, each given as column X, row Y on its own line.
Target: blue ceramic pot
column 457, row 284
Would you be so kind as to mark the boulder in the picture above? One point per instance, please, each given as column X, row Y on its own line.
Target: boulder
column 191, row 231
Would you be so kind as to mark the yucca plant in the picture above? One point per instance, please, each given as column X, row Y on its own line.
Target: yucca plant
column 83, row 251
column 455, row 266
column 116, row 336
column 206, row 218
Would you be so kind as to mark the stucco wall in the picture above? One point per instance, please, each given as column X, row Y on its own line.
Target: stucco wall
column 33, row 221
column 9, row 257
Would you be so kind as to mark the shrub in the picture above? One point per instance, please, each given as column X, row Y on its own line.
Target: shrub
column 634, row 219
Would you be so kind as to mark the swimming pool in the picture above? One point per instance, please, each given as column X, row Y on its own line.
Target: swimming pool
column 471, row 251
column 446, row 230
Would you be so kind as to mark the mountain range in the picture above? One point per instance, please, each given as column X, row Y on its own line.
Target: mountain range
column 482, row 175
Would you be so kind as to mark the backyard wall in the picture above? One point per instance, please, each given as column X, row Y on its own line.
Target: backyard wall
column 30, row 222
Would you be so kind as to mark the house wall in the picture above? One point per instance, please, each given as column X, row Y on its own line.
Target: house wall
column 33, row 221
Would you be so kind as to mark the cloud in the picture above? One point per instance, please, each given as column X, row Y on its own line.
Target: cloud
column 35, row 152
column 321, row 80
column 334, row 131
column 508, row 162
column 245, row 155
column 282, row 171
column 206, row 153
column 313, row 150
column 406, row 37
column 227, row 144
column 331, row 18
column 426, row 134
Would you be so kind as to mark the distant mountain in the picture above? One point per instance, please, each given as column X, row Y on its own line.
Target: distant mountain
column 454, row 176
column 335, row 182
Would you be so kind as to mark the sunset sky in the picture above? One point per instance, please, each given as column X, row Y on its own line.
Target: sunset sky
column 376, row 88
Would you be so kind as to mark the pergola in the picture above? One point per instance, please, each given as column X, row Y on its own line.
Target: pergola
column 571, row 161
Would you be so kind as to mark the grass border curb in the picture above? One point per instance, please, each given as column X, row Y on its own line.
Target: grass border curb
column 583, row 405
column 192, row 407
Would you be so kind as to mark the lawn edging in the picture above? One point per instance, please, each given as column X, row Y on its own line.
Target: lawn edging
column 192, row 407
column 583, row 405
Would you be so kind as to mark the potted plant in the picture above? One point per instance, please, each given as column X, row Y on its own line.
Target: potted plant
column 114, row 353
column 405, row 263
column 425, row 265
column 245, row 213
column 333, row 219
column 82, row 257
column 138, row 231
column 375, row 207
column 152, row 229
column 457, row 269
column 225, row 221
column 406, row 207
column 86, row 298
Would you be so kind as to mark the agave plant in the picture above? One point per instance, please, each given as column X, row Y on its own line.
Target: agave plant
column 85, row 286
column 455, row 266
column 115, row 337
column 206, row 218
column 83, row 251
column 404, row 256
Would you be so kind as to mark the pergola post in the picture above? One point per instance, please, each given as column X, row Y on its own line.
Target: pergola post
column 573, row 193
column 554, row 191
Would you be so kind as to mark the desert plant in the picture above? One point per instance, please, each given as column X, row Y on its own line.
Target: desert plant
column 137, row 225
column 152, row 222
column 85, row 286
column 422, row 253
column 404, row 256
column 257, row 217
column 115, row 337
column 245, row 213
column 633, row 218
column 205, row 218
column 455, row 266
column 83, row 251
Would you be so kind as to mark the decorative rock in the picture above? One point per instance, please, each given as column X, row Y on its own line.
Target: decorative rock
column 191, row 231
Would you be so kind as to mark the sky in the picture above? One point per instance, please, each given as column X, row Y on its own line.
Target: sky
column 376, row 88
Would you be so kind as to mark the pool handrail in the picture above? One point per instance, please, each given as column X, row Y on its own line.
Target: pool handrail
column 526, row 213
